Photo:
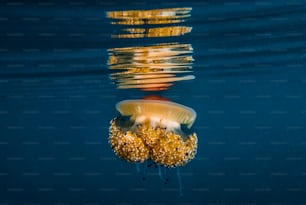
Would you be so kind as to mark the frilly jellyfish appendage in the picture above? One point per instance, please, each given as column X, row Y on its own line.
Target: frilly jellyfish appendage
column 151, row 129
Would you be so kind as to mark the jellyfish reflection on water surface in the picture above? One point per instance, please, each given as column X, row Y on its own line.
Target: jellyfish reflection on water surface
column 151, row 130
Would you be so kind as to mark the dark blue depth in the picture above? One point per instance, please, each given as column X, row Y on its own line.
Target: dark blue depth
column 56, row 101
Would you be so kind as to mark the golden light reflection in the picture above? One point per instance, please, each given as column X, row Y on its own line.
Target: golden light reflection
column 152, row 68
column 154, row 32
column 151, row 17
column 154, row 16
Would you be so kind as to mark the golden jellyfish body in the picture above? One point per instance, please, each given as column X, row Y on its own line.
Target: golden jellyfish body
column 151, row 129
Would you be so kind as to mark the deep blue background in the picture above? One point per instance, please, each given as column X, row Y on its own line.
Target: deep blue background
column 56, row 101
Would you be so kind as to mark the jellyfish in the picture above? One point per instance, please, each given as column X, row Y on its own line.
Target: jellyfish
column 151, row 129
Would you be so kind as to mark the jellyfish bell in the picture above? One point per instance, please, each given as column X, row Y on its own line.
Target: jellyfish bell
column 157, row 111
column 151, row 129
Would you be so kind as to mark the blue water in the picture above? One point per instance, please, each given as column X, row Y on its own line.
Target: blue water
column 56, row 101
